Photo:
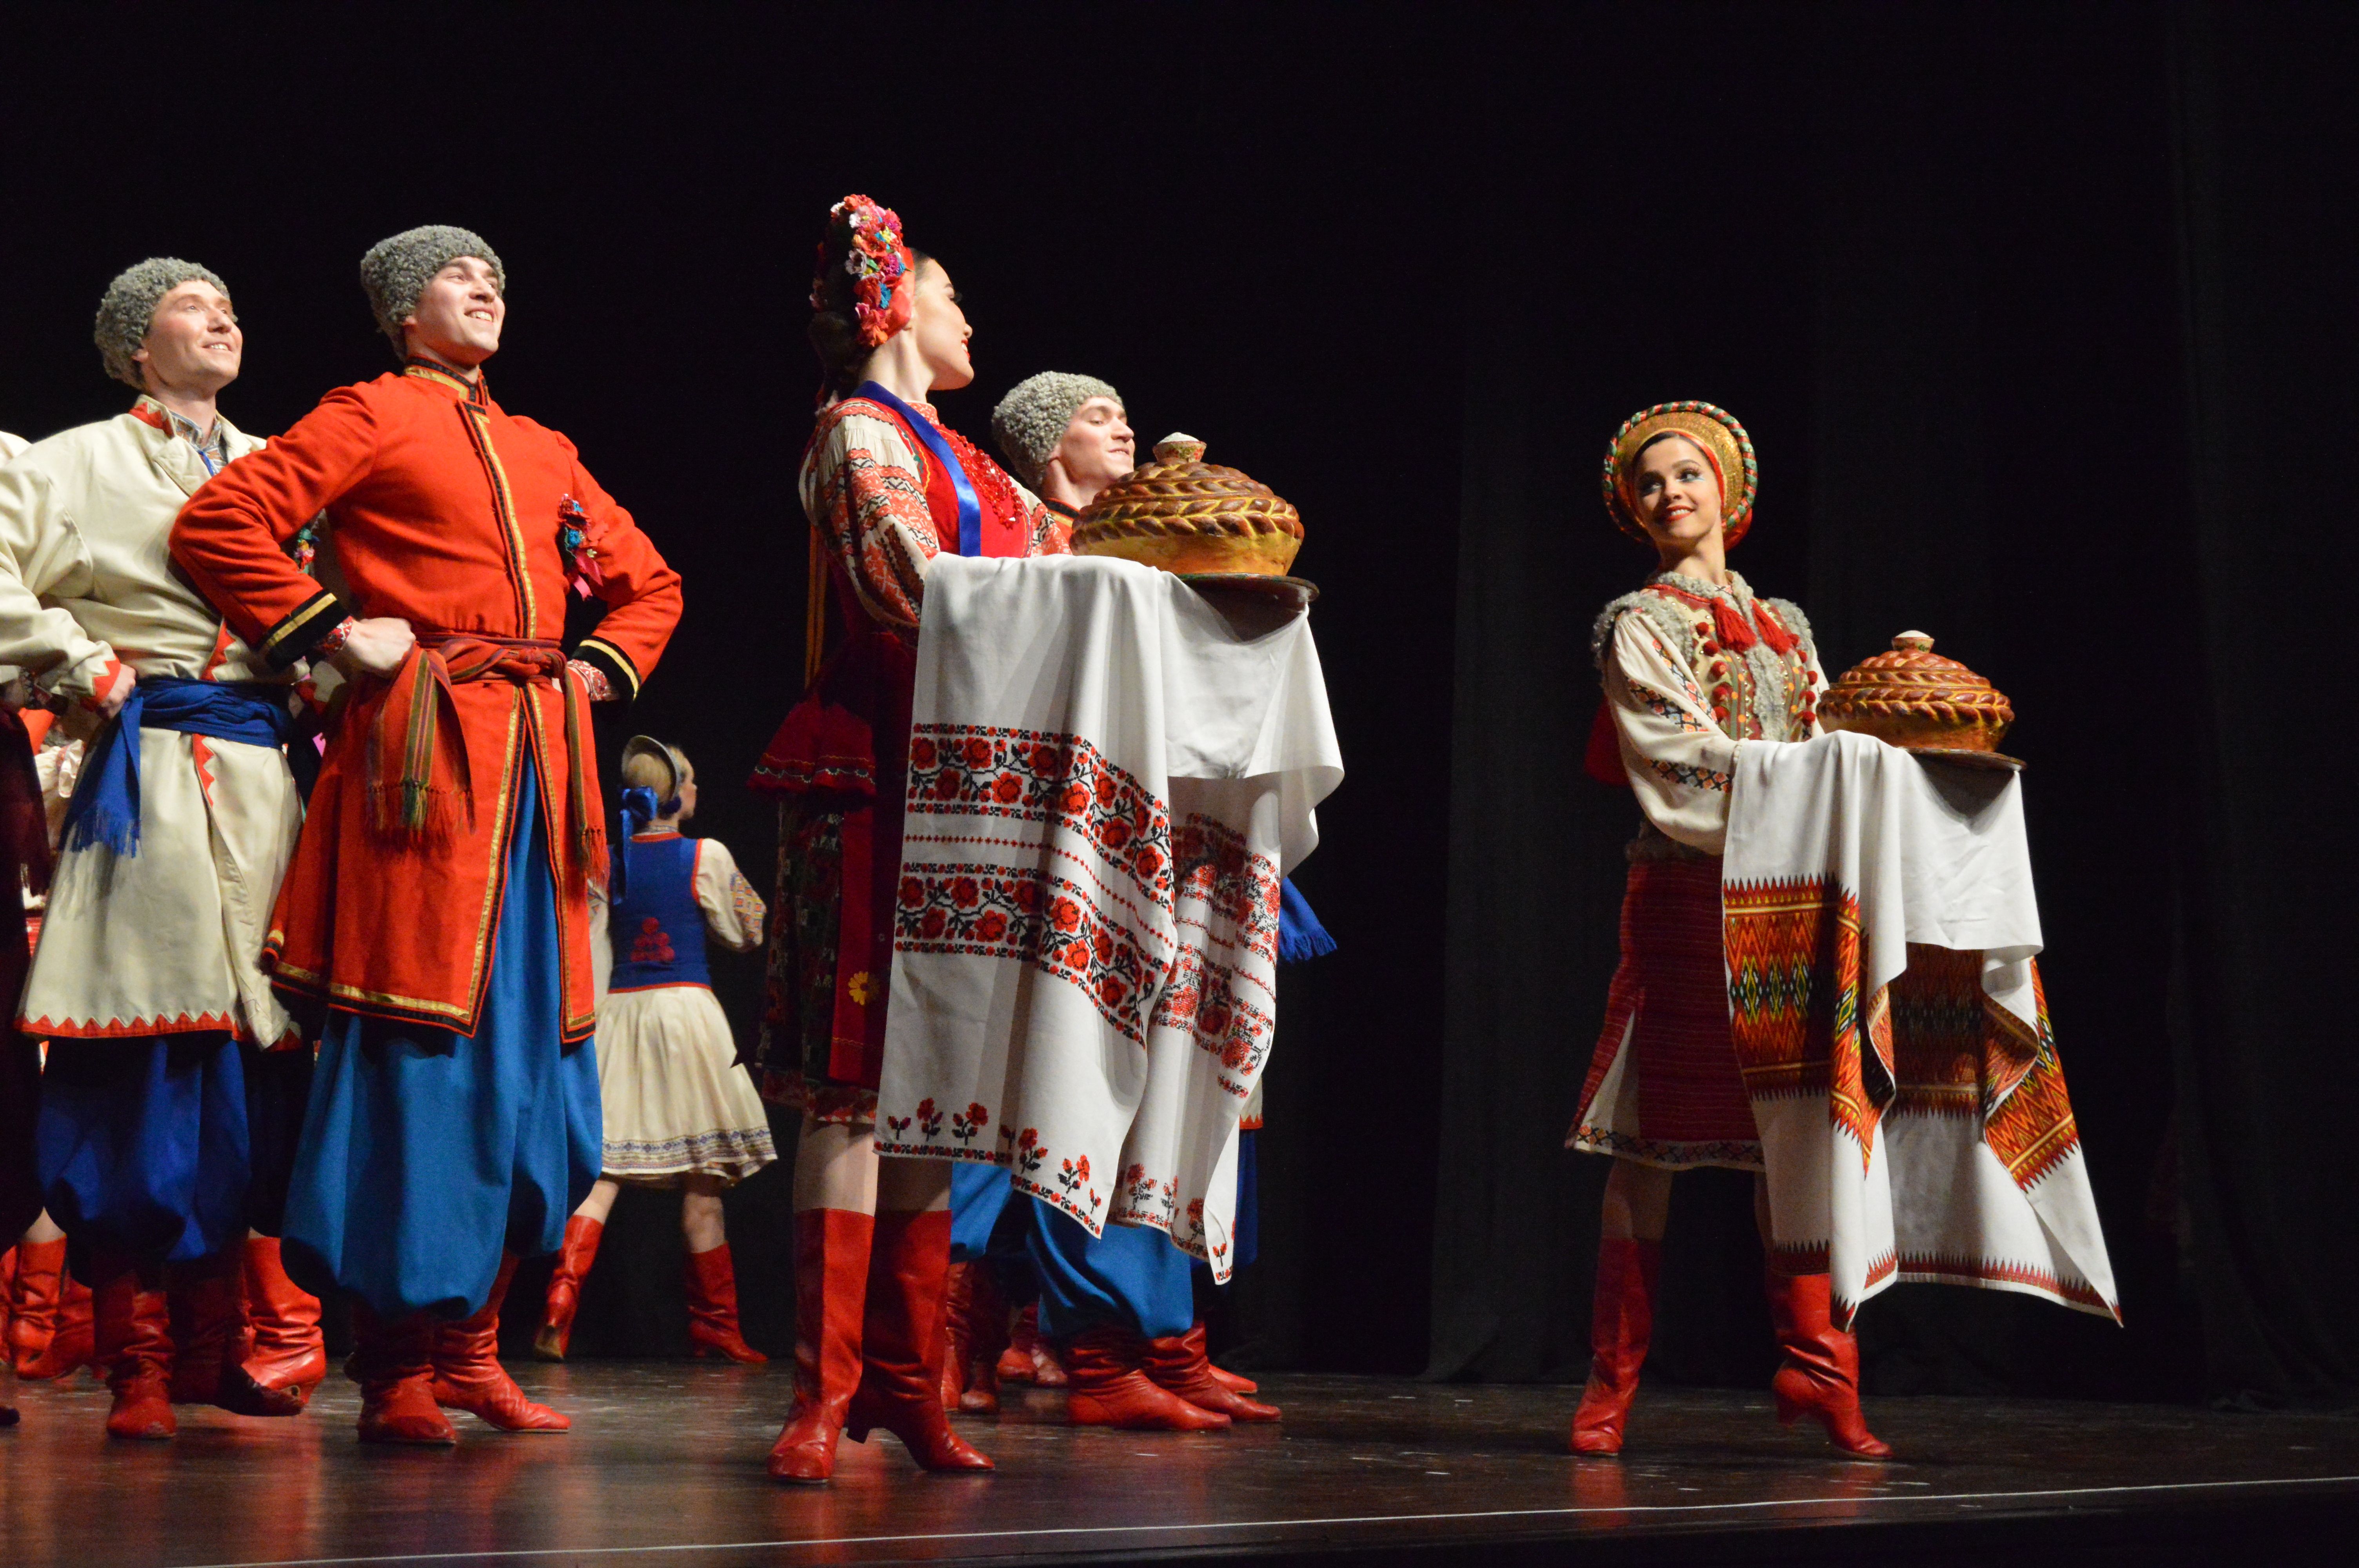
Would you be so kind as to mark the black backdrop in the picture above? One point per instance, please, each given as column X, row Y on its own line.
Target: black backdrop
column 2039, row 315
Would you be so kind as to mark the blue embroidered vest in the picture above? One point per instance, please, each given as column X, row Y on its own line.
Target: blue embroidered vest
column 657, row 926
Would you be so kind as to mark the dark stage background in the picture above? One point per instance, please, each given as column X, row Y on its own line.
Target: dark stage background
column 2039, row 315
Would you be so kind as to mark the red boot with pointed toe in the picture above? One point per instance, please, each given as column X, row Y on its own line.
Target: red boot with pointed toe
column 574, row 1256
column 1108, row 1386
column 394, row 1364
column 832, row 1255
column 901, row 1343
column 467, row 1371
column 1821, row 1377
column 135, row 1340
column 1621, row 1323
column 288, row 1350
column 1177, row 1365
column 713, row 1328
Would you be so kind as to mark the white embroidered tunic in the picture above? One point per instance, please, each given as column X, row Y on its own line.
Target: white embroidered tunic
column 168, row 940
column 1685, row 694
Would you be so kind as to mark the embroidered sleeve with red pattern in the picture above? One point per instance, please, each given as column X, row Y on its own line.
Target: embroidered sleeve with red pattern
column 231, row 537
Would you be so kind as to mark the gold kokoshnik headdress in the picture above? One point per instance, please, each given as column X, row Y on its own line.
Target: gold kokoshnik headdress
column 1725, row 444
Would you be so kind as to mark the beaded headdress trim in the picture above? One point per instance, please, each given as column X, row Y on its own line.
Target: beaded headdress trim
column 1723, row 442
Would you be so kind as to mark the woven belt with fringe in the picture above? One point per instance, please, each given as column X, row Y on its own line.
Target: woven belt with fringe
column 416, row 780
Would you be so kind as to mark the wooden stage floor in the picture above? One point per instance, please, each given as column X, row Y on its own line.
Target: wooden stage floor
column 664, row 1466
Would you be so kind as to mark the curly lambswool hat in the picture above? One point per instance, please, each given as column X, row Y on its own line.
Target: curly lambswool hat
column 1034, row 416
column 396, row 271
column 129, row 309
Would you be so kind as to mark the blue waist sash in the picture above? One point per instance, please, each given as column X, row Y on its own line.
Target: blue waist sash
column 105, row 808
column 970, row 509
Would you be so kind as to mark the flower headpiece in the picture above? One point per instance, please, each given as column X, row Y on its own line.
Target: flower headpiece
column 1724, row 444
column 876, row 257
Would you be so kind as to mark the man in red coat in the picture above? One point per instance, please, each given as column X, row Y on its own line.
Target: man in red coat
column 437, row 910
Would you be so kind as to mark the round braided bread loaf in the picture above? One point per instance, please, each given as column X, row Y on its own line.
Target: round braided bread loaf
column 1184, row 515
column 1913, row 697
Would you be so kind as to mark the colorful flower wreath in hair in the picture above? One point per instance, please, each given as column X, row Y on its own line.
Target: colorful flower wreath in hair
column 1723, row 444
column 876, row 258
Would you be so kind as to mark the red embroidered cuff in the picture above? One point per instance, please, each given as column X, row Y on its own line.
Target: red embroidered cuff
column 333, row 640
column 594, row 680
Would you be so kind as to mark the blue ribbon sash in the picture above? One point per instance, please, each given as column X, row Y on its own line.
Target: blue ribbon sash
column 970, row 509
column 105, row 808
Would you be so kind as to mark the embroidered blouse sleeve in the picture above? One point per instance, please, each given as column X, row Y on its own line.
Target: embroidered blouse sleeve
column 865, row 490
column 1679, row 761
column 732, row 910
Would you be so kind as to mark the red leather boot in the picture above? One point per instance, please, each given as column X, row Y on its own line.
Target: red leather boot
column 1108, row 1386
column 207, row 1300
column 1018, row 1362
column 958, row 1331
column 901, row 1342
column 467, row 1371
column 1821, row 1377
column 832, row 1253
column 135, row 1340
column 394, row 1364
column 1621, row 1322
column 288, row 1350
column 713, row 1329
column 50, row 1331
column 574, row 1256
column 986, row 1329
column 1177, row 1365
column 1235, row 1382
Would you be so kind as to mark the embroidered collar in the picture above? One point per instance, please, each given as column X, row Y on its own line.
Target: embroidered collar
column 1070, row 513
column 477, row 392
column 212, row 446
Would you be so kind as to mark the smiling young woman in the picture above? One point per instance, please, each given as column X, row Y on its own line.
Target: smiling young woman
column 1694, row 664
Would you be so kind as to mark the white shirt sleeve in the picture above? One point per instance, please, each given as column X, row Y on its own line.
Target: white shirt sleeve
column 43, row 555
column 732, row 910
column 1679, row 761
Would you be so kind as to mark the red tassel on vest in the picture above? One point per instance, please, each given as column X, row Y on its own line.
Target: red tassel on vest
column 1736, row 632
column 1773, row 631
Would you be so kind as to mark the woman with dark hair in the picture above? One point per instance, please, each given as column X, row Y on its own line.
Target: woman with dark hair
column 1694, row 664
column 885, row 488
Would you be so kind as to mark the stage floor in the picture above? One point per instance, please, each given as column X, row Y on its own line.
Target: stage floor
column 664, row 1465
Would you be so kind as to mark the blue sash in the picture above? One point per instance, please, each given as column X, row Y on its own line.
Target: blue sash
column 105, row 808
column 970, row 522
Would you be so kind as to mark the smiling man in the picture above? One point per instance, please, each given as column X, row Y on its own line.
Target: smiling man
column 173, row 1073
column 437, row 913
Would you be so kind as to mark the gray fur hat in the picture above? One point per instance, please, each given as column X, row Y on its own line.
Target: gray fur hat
column 129, row 309
column 1034, row 416
column 396, row 271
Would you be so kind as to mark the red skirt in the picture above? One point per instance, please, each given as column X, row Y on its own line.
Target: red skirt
column 1677, row 1098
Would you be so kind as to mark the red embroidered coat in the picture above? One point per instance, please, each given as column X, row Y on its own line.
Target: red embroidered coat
column 882, row 507
column 444, row 509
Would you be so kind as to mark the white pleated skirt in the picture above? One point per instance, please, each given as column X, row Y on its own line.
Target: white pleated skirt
column 676, row 1102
